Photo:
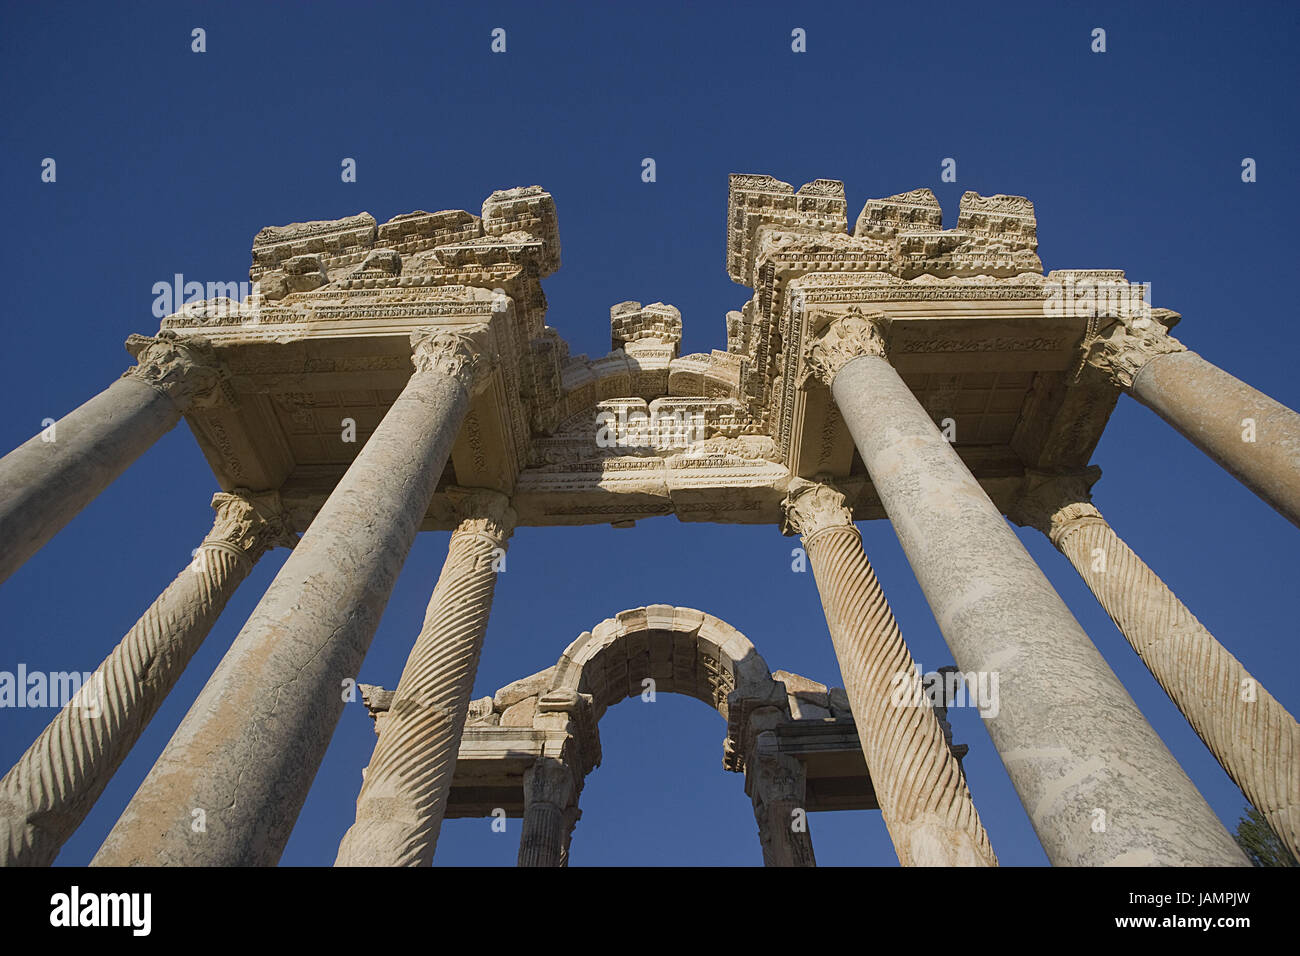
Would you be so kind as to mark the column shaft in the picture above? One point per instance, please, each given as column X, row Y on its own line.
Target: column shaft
column 922, row 791
column 245, row 755
column 1071, row 738
column 778, row 784
column 550, row 810
column 1252, row 736
column 404, row 796
column 45, row 484
column 1210, row 408
column 54, row 785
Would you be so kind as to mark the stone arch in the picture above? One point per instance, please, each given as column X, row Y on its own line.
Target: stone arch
column 683, row 650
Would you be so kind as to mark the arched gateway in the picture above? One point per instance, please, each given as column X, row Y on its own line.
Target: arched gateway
column 388, row 378
column 527, row 749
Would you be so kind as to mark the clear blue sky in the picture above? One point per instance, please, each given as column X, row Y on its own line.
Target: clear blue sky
column 170, row 161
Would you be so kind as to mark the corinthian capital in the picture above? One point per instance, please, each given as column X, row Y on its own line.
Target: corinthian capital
column 1125, row 347
column 811, row 507
column 847, row 337
column 1056, row 504
column 186, row 369
column 459, row 353
column 249, row 524
column 483, row 513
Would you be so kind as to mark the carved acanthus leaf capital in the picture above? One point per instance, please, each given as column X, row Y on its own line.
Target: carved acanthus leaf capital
column 484, row 513
column 847, row 337
column 458, row 353
column 1056, row 504
column 249, row 524
column 186, row 369
column 550, row 782
column 811, row 506
column 1124, row 348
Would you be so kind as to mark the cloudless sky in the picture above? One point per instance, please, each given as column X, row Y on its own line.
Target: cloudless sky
column 170, row 161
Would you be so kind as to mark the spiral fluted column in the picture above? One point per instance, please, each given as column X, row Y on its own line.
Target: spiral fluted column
column 52, row 787
column 227, row 789
column 1097, row 782
column 1253, row 437
column 777, row 785
column 550, row 811
column 1252, row 736
column 922, row 791
column 404, row 796
column 47, row 480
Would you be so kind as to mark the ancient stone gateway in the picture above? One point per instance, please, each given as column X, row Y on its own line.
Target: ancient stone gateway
column 388, row 378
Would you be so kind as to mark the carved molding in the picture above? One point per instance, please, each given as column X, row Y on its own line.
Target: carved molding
column 847, row 337
column 1057, row 505
column 460, row 354
column 249, row 524
column 811, row 507
column 186, row 370
column 1125, row 347
column 483, row 513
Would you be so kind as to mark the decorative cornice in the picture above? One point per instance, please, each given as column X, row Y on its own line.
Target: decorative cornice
column 1124, row 348
column 458, row 353
column 248, row 524
column 186, row 370
column 1057, row 505
column 483, row 513
column 847, row 337
column 811, row 507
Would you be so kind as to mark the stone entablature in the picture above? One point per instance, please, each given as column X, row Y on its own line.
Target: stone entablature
column 965, row 315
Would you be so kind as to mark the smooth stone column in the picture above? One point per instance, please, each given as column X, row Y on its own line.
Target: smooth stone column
column 404, row 796
column 1073, row 741
column 918, row 782
column 54, row 785
column 1252, row 736
column 550, row 812
column 777, row 784
column 1253, row 437
column 44, row 483
column 244, row 757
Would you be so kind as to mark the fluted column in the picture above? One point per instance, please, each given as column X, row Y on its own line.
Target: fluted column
column 1252, row 736
column 244, row 757
column 1097, row 782
column 777, row 785
column 550, row 811
column 54, row 785
column 45, row 483
column 922, row 791
column 404, row 795
column 1253, row 437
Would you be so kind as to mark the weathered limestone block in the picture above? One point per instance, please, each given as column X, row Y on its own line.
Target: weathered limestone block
column 754, row 201
column 335, row 241
column 523, row 688
column 915, row 211
column 520, row 714
column 809, row 700
column 656, row 323
column 528, row 209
